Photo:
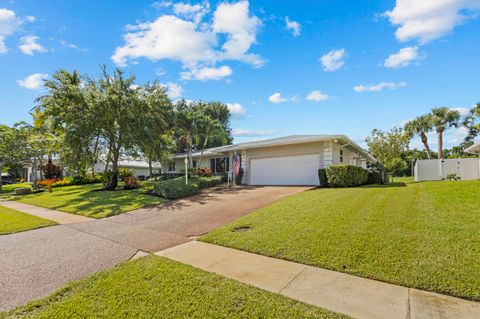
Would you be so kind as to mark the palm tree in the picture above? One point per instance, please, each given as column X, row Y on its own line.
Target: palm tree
column 210, row 131
column 186, row 121
column 442, row 119
column 420, row 126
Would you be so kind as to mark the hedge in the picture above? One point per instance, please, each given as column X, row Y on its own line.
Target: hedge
column 322, row 176
column 346, row 176
column 375, row 177
column 175, row 188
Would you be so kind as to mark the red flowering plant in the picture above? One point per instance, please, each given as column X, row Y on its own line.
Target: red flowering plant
column 204, row 171
column 48, row 183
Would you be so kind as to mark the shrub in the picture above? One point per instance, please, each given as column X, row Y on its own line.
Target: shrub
column 322, row 176
column 204, row 171
column 47, row 183
column 175, row 188
column 205, row 182
column 375, row 177
column 52, row 171
column 125, row 172
column 131, row 182
column 346, row 175
column 107, row 177
column 238, row 178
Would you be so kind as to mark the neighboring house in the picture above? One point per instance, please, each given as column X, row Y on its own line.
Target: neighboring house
column 474, row 149
column 140, row 167
column 289, row 160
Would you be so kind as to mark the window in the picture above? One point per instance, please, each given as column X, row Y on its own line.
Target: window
column 341, row 156
column 220, row 165
column 171, row 167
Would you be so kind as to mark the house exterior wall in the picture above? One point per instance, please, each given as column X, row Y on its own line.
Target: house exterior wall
column 180, row 163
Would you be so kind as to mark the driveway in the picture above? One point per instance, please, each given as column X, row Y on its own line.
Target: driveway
column 36, row 263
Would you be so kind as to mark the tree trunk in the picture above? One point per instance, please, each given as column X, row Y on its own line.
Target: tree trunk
column 114, row 181
column 1, row 182
column 95, row 155
column 34, row 172
column 150, row 168
column 190, row 159
column 425, row 143
column 440, row 143
column 201, row 153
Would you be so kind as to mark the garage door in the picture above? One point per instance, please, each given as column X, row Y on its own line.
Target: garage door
column 285, row 170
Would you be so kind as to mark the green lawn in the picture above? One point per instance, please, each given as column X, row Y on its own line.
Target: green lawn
column 8, row 188
column 155, row 287
column 13, row 221
column 424, row 235
column 90, row 200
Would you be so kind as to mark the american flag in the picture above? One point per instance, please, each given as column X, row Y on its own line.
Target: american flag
column 235, row 164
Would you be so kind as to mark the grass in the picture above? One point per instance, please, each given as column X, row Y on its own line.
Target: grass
column 424, row 235
column 155, row 287
column 8, row 188
column 90, row 200
column 13, row 221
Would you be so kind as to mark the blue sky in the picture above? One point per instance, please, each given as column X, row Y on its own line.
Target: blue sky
column 284, row 67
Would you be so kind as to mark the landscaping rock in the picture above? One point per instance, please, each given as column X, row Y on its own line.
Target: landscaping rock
column 22, row 191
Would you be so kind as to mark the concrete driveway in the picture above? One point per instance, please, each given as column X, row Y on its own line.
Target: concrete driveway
column 34, row 264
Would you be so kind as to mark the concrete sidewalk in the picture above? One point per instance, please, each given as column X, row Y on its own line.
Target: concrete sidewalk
column 339, row 292
column 54, row 215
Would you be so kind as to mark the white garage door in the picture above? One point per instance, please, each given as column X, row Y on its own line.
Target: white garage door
column 285, row 170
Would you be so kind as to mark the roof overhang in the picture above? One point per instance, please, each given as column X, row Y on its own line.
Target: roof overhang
column 474, row 149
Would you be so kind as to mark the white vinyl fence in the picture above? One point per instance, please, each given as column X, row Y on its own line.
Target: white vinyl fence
column 435, row 170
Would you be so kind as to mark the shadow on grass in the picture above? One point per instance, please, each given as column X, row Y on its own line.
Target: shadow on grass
column 390, row 185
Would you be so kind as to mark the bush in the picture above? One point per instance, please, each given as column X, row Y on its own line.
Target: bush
column 52, row 171
column 322, row 176
column 238, row 178
column 106, row 178
column 175, row 188
column 131, row 182
column 375, row 177
column 124, row 173
column 346, row 175
column 204, row 171
column 205, row 182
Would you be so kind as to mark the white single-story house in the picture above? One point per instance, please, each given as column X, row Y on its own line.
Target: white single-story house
column 474, row 149
column 289, row 160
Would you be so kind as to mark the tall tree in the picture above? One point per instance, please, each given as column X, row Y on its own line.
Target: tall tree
column 7, row 148
column 421, row 126
column 210, row 131
column 388, row 148
column 186, row 121
column 154, row 139
column 472, row 123
column 442, row 119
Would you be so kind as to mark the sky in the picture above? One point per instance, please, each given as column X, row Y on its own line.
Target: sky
column 282, row 67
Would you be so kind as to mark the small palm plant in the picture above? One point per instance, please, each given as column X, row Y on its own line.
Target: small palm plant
column 442, row 119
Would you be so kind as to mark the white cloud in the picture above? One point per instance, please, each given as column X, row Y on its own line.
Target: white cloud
column 333, row 60
column 379, row 87
column 293, row 26
column 241, row 28
column 277, row 98
column 33, row 81
column 207, row 73
column 462, row 110
column 9, row 23
column 173, row 89
column 168, row 37
column 30, row 19
column 29, row 45
column 162, row 4
column 242, row 132
column 236, row 109
column 427, row 20
column 194, row 12
column 318, row 96
column 196, row 42
column 402, row 58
